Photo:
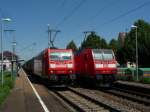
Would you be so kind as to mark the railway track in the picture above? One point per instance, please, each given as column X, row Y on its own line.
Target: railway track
column 77, row 101
column 87, row 100
column 130, row 95
column 114, row 101
column 83, row 103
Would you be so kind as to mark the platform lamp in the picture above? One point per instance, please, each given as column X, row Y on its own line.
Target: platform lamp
column 2, row 20
column 136, row 41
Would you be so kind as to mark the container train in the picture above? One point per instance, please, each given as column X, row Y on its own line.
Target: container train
column 55, row 65
column 97, row 66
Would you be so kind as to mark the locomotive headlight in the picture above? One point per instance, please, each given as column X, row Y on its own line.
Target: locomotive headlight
column 69, row 65
column 52, row 65
column 99, row 65
column 112, row 65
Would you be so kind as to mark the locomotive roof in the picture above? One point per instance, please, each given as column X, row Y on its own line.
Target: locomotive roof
column 95, row 50
column 59, row 49
column 105, row 50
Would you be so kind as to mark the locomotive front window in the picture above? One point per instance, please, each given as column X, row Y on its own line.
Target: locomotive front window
column 66, row 55
column 107, row 55
column 54, row 57
column 97, row 55
column 103, row 54
column 60, row 55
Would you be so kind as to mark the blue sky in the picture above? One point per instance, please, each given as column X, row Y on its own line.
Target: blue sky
column 30, row 19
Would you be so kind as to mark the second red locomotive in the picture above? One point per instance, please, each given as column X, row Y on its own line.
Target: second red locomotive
column 97, row 65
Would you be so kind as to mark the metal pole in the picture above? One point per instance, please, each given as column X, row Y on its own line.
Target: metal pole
column 2, row 78
column 52, row 35
column 13, row 55
column 49, row 36
column 137, row 57
column 13, row 51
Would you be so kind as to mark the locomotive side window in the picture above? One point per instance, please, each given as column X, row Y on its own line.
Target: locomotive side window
column 108, row 55
column 60, row 55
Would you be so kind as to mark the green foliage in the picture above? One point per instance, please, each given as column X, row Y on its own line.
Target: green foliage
column 72, row 45
column 143, row 35
column 113, row 44
column 128, row 51
column 103, row 43
column 94, row 41
column 121, row 56
column 5, row 89
column 146, row 80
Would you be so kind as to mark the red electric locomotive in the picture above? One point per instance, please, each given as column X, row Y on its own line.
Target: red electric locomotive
column 97, row 65
column 56, row 65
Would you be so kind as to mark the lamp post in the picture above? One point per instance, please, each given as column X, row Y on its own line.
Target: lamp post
column 13, row 59
column 2, row 59
column 136, row 41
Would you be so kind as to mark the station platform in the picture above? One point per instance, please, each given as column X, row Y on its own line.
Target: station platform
column 136, row 84
column 22, row 97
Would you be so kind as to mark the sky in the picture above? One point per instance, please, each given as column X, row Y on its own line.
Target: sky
column 30, row 19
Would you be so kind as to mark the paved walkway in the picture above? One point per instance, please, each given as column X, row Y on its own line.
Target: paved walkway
column 22, row 97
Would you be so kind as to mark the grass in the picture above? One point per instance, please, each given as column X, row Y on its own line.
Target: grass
column 146, row 80
column 6, row 87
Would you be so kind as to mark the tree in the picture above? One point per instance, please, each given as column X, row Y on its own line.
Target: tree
column 113, row 44
column 72, row 45
column 93, row 41
column 121, row 56
column 143, row 34
column 103, row 44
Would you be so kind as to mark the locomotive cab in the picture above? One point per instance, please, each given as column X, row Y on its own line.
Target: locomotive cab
column 61, row 65
column 104, row 65
column 96, row 66
column 53, row 66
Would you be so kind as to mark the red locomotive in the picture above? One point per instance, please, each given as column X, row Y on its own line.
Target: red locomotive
column 56, row 65
column 97, row 65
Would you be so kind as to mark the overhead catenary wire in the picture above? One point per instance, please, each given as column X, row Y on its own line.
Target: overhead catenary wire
column 71, row 13
column 26, row 47
column 103, row 8
column 125, row 14
column 63, row 3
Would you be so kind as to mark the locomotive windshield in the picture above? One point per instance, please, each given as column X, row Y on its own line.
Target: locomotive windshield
column 60, row 55
column 99, row 54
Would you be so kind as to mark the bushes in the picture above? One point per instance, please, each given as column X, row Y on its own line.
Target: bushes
column 4, row 91
column 5, row 88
